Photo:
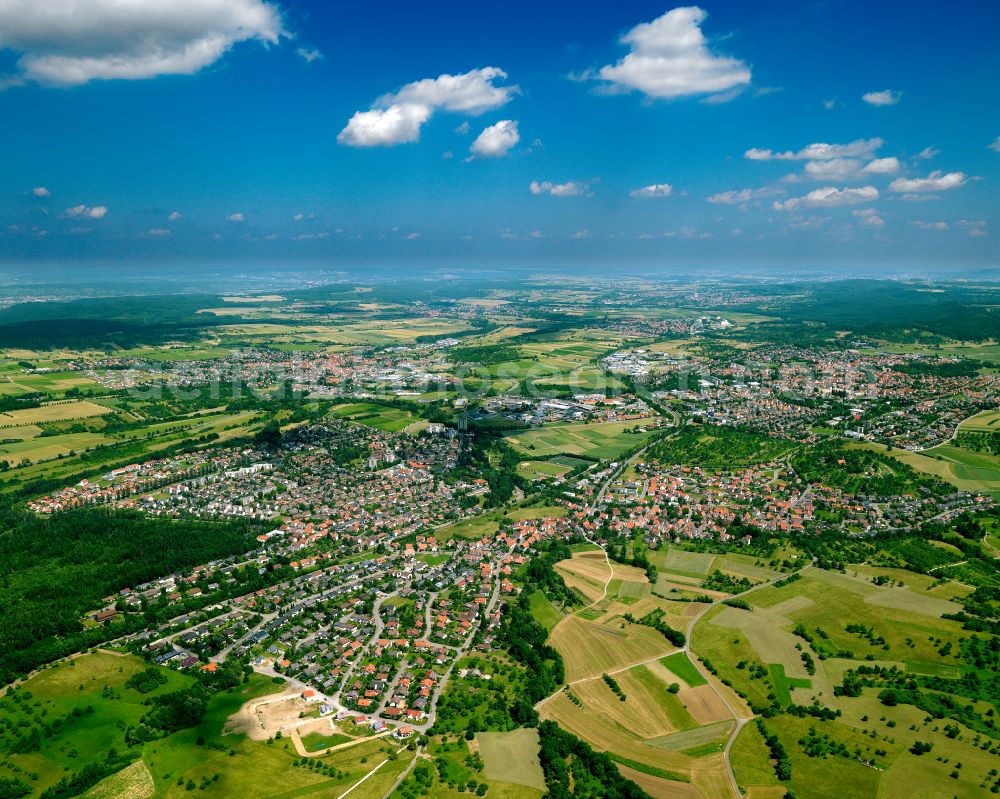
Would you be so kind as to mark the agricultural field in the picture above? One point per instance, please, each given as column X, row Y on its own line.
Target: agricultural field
column 371, row 332
column 589, row 648
column 970, row 471
column 966, row 471
column 802, row 639
column 984, row 422
column 605, row 440
column 60, row 454
column 53, row 412
column 668, row 741
column 587, row 573
column 560, row 364
column 54, row 383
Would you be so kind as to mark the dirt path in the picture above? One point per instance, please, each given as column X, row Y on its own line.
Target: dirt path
column 303, row 752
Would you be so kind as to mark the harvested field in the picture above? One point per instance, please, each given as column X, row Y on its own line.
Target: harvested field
column 54, row 412
column 590, row 649
column 704, row 704
column 688, row 564
column 604, row 737
column 699, row 736
column 586, row 572
column 660, row 788
column 904, row 599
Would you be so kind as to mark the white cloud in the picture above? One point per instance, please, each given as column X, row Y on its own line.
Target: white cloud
column 972, row 227
column 386, row 127
column 571, row 188
column 412, row 236
column 820, row 151
column 174, row 216
column 670, row 58
column 496, row 140
column 309, row 54
column 829, row 105
column 930, row 152
column 41, row 191
column 930, row 225
column 536, row 234
column 868, row 217
column 397, row 118
column 652, row 191
column 883, row 166
column 68, row 42
column 834, row 169
column 884, row 97
column 995, row 144
column 935, row 181
column 829, row 197
column 462, row 129
column 159, row 232
column 582, row 234
column 740, row 196
column 236, row 218
column 87, row 212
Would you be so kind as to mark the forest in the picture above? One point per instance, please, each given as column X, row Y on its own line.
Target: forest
column 54, row 570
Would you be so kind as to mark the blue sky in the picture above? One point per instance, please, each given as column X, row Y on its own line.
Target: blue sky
column 540, row 134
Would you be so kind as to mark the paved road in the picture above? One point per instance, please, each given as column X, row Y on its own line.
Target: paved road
column 379, row 627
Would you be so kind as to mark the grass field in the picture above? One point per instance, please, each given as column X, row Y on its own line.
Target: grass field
column 545, row 613
column 245, row 767
column 696, row 565
column 133, row 782
column 314, row 741
column 382, row 417
column 605, row 440
column 908, row 621
column 70, row 686
column 488, row 523
column 512, row 757
column 751, row 759
column 783, row 684
column 680, row 664
column 541, row 470
column 698, row 741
